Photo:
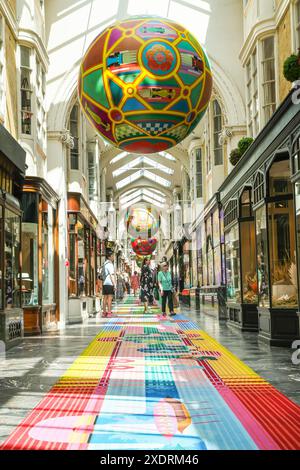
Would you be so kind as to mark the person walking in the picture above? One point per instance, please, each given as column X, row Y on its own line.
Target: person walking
column 109, row 284
column 135, row 283
column 146, row 283
column 166, row 289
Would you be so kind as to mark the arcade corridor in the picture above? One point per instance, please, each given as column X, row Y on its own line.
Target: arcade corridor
column 146, row 382
column 149, row 158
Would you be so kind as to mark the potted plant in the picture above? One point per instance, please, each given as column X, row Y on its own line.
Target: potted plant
column 234, row 156
column 291, row 68
column 237, row 153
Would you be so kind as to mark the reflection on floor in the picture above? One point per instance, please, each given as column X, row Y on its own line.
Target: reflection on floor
column 145, row 382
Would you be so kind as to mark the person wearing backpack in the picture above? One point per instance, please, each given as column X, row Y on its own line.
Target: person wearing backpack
column 109, row 284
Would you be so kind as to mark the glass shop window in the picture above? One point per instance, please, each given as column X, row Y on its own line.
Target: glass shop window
column 48, row 251
column 30, row 249
column 262, row 257
column 248, row 260
column 87, row 260
column 233, row 264
column 1, row 258
column 93, row 264
column 297, row 204
column 72, row 255
column 282, row 254
column 280, row 179
column 246, row 204
column 248, row 249
column 81, row 258
column 282, row 239
column 12, row 246
column 26, row 91
column 204, row 255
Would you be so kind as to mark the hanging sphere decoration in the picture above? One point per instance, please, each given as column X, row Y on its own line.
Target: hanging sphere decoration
column 144, row 84
column 142, row 221
column 140, row 259
column 144, row 247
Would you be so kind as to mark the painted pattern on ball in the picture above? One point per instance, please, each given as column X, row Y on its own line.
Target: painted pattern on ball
column 144, row 84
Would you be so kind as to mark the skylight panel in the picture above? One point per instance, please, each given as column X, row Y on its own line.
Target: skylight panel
column 168, row 156
column 158, row 166
column 129, row 179
column 119, row 157
column 157, row 179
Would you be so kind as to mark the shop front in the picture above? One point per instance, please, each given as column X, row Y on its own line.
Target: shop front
column 240, row 256
column 261, row 202
column 40, row 273
column 84, row 255
column 12, row 169
column 211, row 255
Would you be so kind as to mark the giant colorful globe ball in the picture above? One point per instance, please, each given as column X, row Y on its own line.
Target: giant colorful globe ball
column 142, row 221
column 144, row 84
column 143, row 247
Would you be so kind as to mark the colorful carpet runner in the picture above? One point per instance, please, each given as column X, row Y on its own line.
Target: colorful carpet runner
column 146, row 382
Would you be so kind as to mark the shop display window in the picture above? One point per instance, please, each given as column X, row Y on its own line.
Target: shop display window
column 84, row 254
column 1, row 257
column 282, row 241
column 30, row 282
column 217, row 266
column 282, row 254
column 248, row 249
column 233, row 264
column 248, row 257
column 81, row 259
column 12, row 246
column 72, row 255
column 262, row 257
column 186, row 265
column 210, row 261
column 48, row 251
column 204, row 257
column 297, row 204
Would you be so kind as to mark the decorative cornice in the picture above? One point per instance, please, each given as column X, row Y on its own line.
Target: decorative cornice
column 259, row 30
column 30, row 37
column 281, row 10
column 5, row 8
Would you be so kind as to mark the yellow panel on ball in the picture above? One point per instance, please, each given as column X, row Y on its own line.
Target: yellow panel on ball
column 144, row 84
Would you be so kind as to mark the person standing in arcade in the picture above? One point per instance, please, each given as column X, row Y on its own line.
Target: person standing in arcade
column 146, row 283
column 109, row 283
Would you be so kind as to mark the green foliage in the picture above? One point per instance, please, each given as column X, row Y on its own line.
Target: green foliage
column 237, row 153
column 291, row 68
column 235, row 156
column 244, row 144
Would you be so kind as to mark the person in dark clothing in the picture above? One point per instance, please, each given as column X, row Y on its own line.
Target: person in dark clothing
column 146, row 283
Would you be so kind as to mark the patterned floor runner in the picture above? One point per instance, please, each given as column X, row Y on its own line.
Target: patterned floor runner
column 146, row 382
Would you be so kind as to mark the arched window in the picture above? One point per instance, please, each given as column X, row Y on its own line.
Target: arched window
column 217, row 128
column 74, row 130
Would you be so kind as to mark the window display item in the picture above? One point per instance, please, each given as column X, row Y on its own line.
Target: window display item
column 144, row 84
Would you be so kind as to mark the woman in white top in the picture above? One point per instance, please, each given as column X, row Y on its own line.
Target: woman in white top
column 109, row 284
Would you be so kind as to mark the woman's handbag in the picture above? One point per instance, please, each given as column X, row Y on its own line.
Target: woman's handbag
column 175, row 299
column 156, row 293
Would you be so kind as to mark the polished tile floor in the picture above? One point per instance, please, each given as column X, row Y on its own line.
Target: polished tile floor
column 30, row 370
